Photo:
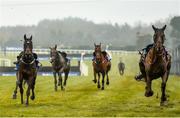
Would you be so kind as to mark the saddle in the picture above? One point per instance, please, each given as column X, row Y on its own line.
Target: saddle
column 147, row 49
column 20, row 56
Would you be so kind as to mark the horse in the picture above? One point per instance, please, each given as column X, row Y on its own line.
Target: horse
column 27, row 71
column 59, row 66
column 121, row 67
column 100, row 65
column 156, row 64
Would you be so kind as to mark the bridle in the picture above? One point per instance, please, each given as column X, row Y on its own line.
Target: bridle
column 161, row 51
column 27, row 53
column 55, row 57
column 28, row 63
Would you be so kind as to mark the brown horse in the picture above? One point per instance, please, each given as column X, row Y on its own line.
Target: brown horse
column 59, row 66
column 157, row 63
column 27, row 71
column 100, row 65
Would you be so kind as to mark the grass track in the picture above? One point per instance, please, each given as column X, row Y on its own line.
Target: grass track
column 123, row 97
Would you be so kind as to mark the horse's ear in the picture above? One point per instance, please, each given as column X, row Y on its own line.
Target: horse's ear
column 95, row 44
column 154, row 28
column 100, row 44
column 55, row 46
column 164, row 27
column 30, row 37
column 25, row 37
column 50, row 48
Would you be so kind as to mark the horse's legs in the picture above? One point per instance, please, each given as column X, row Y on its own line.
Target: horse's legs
column 107, row 79
column 95, row 80
column 103, row 75
column 60, row 80
column 15, row 90
column 55, row 81
column 21, row 90
column 149, row 91
column 65, row 78
column 33, row 86
column 99, row 86
column 28, row 92
column 163, row 88
column 120, row 72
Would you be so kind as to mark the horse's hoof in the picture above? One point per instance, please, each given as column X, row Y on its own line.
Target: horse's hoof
column 32, row 97
column 163, row 103
column 163, row 99
column 27, row 104
column 94, row 81
column 59, row 84
column 102, row 88
column 137, row 78
column 98, row 86
column 107, row 83
column 55, row 89
column 62, row 88
column 14, row 96
column 149, row 94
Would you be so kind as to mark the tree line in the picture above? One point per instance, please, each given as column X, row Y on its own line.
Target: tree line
column 82, row 34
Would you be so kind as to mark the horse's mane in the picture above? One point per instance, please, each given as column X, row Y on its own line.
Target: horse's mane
column 63, row 54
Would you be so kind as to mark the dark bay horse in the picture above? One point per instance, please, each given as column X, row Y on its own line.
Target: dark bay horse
column 121, row 67
column 157, row 63
column 27, row 71
column 59, row 66
column 100, row 65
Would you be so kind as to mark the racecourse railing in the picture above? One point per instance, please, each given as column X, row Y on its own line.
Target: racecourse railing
column 44, row 71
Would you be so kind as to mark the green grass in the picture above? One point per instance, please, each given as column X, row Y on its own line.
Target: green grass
column 123, row 97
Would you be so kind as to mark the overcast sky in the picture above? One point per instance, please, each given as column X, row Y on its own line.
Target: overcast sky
column 30, row 12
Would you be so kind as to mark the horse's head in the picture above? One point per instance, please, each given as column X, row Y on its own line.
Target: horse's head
column 98, row 56
column 53, row 53
column 28, row 46
column 28, row 55
column 97, row 47
column 159, row 38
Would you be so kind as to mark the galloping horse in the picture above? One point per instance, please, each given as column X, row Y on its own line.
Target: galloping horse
column 100, row 65
column 59, row 65
column 27, row 71
column 121, row 67
column 157, row 63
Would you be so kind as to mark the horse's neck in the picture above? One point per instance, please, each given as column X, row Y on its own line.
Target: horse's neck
column 151, row 56
column 62, row 60
column 59, row 60
column 154, row 56
column 98, row 51
column 153, row 53
column 102, row 57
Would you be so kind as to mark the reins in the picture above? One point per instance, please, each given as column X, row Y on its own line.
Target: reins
column 28, row 63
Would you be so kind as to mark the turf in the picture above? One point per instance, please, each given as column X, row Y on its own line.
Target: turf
column 123, row 97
